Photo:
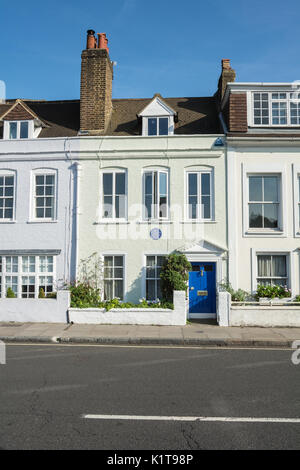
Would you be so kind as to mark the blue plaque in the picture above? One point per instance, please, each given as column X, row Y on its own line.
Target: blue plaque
column 155, row 233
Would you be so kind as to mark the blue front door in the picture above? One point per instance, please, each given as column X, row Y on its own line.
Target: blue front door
column 202, row 288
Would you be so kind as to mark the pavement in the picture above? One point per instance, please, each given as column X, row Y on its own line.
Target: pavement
column 198, row 333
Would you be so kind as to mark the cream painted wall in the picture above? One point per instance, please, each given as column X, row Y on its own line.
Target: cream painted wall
column 244, row 245
column 177, row 153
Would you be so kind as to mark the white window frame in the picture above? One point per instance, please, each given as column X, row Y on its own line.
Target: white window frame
column 6, row 130
column 199, row 172
column 286, row 100
column 113, row 171
column 155, row 204
column 170, row 125
column 20, row 273
column 113, row 278
column 10, row 173
column 43, row 172
column 257, row 169
column 164, row 255
column 278, row 203
column 292, row 282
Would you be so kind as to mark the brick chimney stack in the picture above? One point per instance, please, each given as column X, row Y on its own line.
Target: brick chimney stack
column 96, row 85
column 227, row 75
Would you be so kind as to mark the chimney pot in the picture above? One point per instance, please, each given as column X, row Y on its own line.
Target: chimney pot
column 91, row 41
column 225, row 64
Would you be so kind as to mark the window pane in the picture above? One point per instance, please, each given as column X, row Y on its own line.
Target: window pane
column 107, row 183
column 120, row 183
column 270, row 188
column 193, row 184
column 12, row 130
column 279, row 265
column 119, row 289
column 108, row 260
column 255, row 188
column 264, row 265
column 205, row 184
column 152, row 126
column 150, row 290
column 255, row 215
column 107, row 207
column 206, row 207
column 118, row 261
column 120, row 206
column 193, row 200
column 108, row 290
column 270, row 215
column 163, row 126
column 24, row 130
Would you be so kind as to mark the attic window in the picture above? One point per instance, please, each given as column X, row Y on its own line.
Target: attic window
column 17, row 130
column 158, row 126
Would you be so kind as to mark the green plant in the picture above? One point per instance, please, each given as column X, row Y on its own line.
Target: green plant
column 42, row 293
column 51, row 295
column 239, row 295
column 174, row 275
column 83, row 295
column 10, row 293
column 271, row 292
column 297, row 298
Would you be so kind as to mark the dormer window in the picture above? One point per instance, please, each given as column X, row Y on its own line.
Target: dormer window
column 18, row 129
column 157, row 118
column 279, row 109
column 158, row 126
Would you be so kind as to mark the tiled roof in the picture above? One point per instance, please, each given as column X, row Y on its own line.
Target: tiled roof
column 62, row 118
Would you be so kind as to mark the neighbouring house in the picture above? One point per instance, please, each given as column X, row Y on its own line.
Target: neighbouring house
column 37, row 196
column 262, row 126
column 152, row 181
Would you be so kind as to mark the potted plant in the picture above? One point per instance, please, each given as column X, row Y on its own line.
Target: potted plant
column 267, row 294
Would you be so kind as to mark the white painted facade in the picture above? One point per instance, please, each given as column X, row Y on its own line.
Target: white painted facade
column 129, row 237
column 24, row 234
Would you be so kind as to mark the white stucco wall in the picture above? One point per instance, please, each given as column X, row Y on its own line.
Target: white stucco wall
column 132, row 239
column 36, row 310
column 133, row 316
column 262, row 156
column 280, row 316
column 23, row 157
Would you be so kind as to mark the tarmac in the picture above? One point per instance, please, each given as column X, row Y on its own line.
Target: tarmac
column 196, row 333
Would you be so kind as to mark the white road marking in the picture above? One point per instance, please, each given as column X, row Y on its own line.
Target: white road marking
column 193, row 418
column 132, row 346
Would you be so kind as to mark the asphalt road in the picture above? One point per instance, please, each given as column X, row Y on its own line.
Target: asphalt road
column 46, row 390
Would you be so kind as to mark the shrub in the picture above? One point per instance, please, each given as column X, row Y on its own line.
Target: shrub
column 272, row 291
column 83, row 295
column 51, row 295
column 239, row 295
column 42, row 293
column 297, row 298
column 10, row 293
column 174, row 275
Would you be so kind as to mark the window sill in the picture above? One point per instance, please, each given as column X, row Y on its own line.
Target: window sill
column 45, row 221
column 203, row 221
column 8, row 221
column 157, row 221
column 112, row 222
column 264, row 232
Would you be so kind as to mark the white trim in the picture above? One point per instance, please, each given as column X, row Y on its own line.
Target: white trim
column 144, row 268
column 113, row 171
column 158, row 170
column 249, row 169
column 199, row 170
column 6, row 129
column 9, row 172
column 124, row 255
column 47, row 172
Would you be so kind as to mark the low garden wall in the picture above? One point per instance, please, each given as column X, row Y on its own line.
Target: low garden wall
column 133, row 316
column 36, row 310
column 256, row 314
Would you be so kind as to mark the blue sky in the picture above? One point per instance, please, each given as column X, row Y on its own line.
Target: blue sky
column 170, row 47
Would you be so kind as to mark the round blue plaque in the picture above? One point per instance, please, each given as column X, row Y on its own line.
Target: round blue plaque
column 155, row 233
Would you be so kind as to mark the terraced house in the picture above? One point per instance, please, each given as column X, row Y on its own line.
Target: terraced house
column 152, row 181
column 261, row 122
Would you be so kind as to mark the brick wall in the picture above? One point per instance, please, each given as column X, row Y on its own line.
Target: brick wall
column 237, row 112
column 95, row 90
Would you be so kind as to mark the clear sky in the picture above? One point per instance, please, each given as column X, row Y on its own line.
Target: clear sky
column 172, row 47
